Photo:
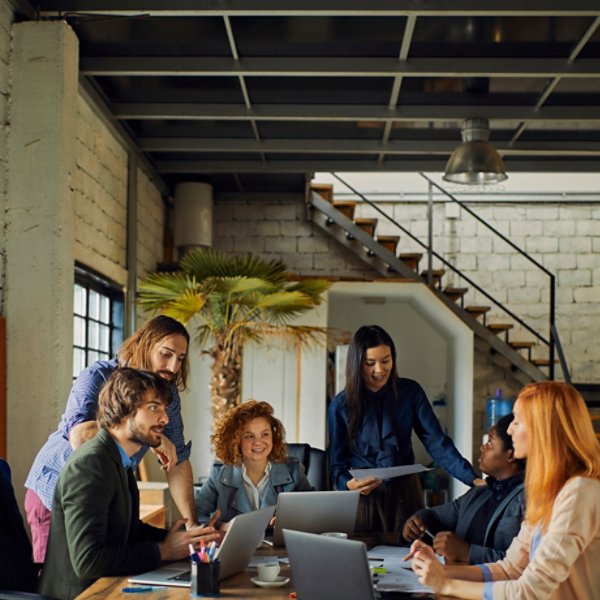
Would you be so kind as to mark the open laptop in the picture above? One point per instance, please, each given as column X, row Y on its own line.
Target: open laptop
column 241, row 540
column 315, row 512
column 327, row 568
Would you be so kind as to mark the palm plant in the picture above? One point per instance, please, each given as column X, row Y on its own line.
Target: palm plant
column 235, row 299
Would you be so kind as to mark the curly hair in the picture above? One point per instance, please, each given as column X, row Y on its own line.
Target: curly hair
column 226, row 440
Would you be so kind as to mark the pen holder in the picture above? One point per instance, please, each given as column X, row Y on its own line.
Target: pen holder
column 205, row 578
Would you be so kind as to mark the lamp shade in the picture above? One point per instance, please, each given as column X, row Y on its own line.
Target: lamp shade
column 475, row 161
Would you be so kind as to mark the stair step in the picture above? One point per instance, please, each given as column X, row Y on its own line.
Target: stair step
column 389, row 242
column 325, row 190
column 522, row 345
column 455, row 293
column 367, row 225
column 346, row 208
column 499, row 327
column 436, row 274
column 411, row 259
column 477, row 311
column 542, row 362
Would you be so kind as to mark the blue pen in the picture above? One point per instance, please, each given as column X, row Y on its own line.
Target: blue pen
column 143, row 590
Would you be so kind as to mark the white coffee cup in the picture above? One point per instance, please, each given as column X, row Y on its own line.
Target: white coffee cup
column 268, row 572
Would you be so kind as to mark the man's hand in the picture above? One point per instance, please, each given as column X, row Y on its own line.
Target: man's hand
column 176, row 545
column 414, row 528
column 166, row 453
column 364, row 486
column 451, row 547
column 82, row 432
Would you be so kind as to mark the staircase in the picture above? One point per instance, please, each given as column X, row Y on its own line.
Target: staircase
column 359, row 235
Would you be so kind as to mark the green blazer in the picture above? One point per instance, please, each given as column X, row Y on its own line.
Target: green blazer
column 95, row 529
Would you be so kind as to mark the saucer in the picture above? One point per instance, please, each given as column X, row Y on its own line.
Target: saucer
column 279, row 582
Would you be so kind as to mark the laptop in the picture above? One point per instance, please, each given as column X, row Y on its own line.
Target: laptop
column 245, row 533
column 315, row 512
column 328, row 568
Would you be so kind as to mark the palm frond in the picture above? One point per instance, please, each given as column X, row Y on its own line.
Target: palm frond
column 159, row 289
column 203, row 263
column 240, row 285
column 311, row 287
column 185, row 307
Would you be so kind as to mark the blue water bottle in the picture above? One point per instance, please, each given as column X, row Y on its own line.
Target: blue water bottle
column 497, row 408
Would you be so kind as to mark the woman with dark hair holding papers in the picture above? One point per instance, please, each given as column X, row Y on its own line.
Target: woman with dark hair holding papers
column 370, row 425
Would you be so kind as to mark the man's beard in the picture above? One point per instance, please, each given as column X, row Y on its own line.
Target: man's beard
column 165, row 374
column 138, row 436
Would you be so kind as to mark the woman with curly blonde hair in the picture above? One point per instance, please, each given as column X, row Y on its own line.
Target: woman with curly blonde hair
column 253, row 467
column 556, row 554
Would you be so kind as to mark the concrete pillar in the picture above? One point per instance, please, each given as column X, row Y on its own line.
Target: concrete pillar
column 39, row 235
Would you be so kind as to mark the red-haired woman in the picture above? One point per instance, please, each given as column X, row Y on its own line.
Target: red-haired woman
column 250, row 443
column 556, row 554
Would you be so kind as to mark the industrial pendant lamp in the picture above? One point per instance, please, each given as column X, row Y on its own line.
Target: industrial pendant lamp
column 475, row 161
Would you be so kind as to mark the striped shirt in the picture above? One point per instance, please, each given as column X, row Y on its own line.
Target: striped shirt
column 81, row 406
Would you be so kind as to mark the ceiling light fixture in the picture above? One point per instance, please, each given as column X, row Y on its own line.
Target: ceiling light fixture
column 475, row 161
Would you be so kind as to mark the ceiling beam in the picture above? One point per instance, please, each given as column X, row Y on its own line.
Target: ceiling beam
column 189, row 66
column 376, row 8
column 350, row 112
column 557, row 147
column 433, row 165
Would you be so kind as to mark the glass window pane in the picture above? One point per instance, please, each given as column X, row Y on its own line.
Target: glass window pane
column 78, row 361
column 93, row 356
column 79, row 331
column 104, row 309
column 79, row 300
column 104, row 338
column 94, row 308
column 93, row 335
column 103, row 356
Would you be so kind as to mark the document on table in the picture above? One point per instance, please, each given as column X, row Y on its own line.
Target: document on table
column 397, row 575
column 387, row 472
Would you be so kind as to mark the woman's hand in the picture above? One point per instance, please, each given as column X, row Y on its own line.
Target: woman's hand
column 364, row 486
column 426, row 565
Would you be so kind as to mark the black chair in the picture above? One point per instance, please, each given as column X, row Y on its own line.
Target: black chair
column 315, row 464
column 18, row 573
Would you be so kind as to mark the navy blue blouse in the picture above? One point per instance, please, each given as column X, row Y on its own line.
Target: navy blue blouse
column 386, row 441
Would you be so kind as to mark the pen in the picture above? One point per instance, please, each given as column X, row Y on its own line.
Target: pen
column 143, row 590
column 375, row 558
column 268, row 543
column 427, row 532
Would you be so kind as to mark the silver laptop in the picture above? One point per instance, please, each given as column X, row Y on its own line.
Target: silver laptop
column 241, row 540
column 315, row 512
column 321, row 567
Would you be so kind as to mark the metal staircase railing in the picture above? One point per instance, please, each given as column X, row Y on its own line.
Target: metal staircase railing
column 553, row 339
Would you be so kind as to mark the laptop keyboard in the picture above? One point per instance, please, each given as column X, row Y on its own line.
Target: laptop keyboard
column 187, row 576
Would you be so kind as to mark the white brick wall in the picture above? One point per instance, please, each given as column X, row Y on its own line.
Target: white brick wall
column 151, row 217
column 563, row 238
column 6, row 19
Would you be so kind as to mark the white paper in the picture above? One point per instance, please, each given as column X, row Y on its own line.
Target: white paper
column 392, row 557
column 387, row 472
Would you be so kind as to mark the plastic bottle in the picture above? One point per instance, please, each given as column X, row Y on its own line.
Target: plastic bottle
column 497, row 408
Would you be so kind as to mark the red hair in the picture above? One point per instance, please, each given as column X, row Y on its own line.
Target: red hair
column 562, row 444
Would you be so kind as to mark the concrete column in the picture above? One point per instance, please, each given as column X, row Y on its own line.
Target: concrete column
column 39, row 230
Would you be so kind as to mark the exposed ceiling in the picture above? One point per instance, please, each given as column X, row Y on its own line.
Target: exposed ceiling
column 253, row 95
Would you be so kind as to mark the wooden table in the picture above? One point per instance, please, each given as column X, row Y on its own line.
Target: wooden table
column 238, row 586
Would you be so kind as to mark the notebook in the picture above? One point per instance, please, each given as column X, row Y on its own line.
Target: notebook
column 241, row 540
column 327, row 568
column 315, row 512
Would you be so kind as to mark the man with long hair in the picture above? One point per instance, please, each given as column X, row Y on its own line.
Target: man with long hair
column 160, row 346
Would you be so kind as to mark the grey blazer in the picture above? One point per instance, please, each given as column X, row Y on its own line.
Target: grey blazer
column 225, row 490
column 457, row 516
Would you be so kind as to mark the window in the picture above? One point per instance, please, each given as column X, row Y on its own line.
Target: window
column 97, row 319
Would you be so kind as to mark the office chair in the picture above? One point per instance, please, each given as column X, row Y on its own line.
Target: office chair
column 315, row 464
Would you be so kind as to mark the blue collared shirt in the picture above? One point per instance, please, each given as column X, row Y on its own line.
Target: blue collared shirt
column 384, row 435
column 82, row 405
